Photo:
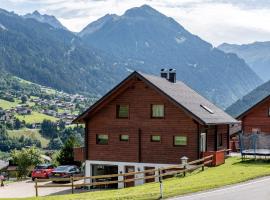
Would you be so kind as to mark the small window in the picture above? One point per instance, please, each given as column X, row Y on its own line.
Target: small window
column 122, row 111
column 155, row 138
column 180, row 140
column 157, row 111
column 102, row 139
column 268, row 111
column 220, row 140
column 124, row 138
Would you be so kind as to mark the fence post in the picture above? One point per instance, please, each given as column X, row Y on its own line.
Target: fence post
column 203, row 166
column 160, row 183
column 36, row 187
column 72, row 184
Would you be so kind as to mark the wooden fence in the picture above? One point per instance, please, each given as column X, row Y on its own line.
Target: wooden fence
column 160, row 173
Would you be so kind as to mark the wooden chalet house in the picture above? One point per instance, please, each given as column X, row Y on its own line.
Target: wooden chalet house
column 147, row 122
column 256, row 118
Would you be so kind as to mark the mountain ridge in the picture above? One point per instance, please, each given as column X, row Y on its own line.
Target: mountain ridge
column 256, row 54
column 149, row 40
column 49, row 19
column 249, row 100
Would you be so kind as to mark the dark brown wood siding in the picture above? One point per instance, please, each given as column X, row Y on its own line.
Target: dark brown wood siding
column 257, row 118
column 139, row 97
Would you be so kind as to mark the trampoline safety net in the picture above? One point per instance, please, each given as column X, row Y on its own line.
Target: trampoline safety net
column 254, row 144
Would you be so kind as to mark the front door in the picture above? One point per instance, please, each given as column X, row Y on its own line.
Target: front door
column 129, row 169
column 203, row 142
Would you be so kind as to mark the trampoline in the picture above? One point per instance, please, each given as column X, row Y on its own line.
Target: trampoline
column 254, row 144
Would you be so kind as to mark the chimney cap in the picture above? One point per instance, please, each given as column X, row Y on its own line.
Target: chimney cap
column 172, row 70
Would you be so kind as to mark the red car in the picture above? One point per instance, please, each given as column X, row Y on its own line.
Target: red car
column 42, row 171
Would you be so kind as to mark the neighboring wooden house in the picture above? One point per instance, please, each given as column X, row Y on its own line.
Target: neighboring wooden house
column 256, row 118
column 148, row 122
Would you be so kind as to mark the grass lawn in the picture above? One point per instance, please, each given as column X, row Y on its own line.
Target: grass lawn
column 35, row 117
column 234, row 171
column 8, row 104
column 31, row 133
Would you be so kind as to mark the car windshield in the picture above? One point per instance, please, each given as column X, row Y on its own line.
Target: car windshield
column 63, row 168
column 41, row 166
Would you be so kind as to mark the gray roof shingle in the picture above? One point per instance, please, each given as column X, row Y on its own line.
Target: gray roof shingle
column 191, row 101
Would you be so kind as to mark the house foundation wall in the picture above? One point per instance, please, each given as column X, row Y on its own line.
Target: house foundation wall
column 121, row 169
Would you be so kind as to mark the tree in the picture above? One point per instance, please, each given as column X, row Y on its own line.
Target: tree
column 17, row 124
column 26, row 158
column 66, row 156
column 62, row 124
column 24, row 99
column 49, row 129
column 55, row 143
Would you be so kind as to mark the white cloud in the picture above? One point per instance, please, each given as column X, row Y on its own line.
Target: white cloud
column 216, row 21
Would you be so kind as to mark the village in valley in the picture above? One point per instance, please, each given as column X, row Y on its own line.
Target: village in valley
column 134, row 105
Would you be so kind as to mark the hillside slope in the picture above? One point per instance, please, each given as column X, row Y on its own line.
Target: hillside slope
column 249, row 100
column 54, row 57
column 257, row 55
column 149, row 40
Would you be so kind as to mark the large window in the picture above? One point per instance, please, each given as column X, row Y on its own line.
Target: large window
column 180, row 140
column 155, row 138
column 122, row 111
column 102, row 139
column 157, row 111
column 124, row 138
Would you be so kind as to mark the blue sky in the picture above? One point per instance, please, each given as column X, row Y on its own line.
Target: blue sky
column 216, row 21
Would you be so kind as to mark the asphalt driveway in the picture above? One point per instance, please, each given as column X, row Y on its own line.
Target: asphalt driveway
column 26, row 189
column 258, row 189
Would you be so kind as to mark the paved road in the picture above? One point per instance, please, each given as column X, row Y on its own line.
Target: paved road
column 26, row 189
column 258, row 189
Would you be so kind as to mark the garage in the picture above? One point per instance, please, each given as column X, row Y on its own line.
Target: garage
column 98, row 170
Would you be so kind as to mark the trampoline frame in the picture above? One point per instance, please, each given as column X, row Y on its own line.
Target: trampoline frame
column 253, row 151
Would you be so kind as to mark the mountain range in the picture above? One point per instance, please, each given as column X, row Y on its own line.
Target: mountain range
column 256, row 54
column 250, row 99
column 106, row 50
column 49, row 19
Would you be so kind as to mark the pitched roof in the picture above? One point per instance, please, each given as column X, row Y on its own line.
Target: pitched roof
column 198, row 107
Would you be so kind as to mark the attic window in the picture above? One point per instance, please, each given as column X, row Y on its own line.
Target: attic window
column 207, row 109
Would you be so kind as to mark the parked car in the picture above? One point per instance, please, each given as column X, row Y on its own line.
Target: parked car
column 42, row 171
column 65, row 171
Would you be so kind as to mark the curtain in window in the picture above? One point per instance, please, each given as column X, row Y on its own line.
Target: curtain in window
column 158, row 110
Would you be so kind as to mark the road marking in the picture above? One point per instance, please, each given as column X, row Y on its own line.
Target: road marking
column 222, row 189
